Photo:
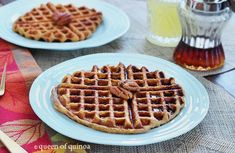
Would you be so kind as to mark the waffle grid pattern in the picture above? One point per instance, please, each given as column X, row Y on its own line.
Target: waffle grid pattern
column 39, row 25
column 85, row 96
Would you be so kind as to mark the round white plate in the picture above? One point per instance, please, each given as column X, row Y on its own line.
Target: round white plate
column 197, row 101
column 115, row 24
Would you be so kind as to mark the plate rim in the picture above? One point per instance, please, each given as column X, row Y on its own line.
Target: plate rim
column 71, row 46
column 139, row 143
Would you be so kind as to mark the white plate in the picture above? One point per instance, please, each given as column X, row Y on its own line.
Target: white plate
column 197, row 101
column 115, row 24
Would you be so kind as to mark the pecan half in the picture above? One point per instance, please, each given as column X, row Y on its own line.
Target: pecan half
column 130, row 85
column 120, row 92
column 61, row 18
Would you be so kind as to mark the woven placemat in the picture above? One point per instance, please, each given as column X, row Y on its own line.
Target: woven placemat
column 216, row 133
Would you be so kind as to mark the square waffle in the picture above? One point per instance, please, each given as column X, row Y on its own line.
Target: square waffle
column 85, row 97
column 58, row 23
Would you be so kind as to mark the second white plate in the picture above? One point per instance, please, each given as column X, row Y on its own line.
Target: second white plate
column 115, row 24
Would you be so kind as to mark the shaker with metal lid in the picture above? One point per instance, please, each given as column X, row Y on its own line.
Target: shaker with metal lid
column 202, row 23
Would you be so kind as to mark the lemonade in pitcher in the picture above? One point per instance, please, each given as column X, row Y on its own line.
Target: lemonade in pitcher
column 164, row 24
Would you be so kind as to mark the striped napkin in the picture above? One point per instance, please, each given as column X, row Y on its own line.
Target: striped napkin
column 17, row 118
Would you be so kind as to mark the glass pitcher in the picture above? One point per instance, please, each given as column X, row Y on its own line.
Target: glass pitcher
column 202, row 23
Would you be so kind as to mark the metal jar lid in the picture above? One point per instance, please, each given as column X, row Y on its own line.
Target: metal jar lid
column 208, row 5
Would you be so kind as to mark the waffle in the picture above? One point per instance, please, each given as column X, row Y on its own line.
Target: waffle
column 85, row 97
column 58, row 23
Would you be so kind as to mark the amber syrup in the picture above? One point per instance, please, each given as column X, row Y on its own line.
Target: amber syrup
column 199, row 59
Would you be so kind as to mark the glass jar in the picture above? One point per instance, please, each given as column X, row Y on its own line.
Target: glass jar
column 163, row 22
column 202, row 23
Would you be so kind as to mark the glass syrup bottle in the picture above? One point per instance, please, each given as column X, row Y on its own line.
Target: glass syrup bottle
column 202, row 22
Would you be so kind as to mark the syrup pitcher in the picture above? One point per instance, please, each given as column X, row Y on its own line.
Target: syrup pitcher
column 202, row 23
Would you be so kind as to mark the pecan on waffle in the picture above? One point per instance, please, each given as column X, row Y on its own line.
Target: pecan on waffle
column 58, row 23
column 119, row 99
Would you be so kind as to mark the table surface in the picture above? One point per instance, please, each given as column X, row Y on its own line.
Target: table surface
column 225, row 80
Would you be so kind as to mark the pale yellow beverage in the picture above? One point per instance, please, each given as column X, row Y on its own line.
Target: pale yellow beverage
column 164, row 24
